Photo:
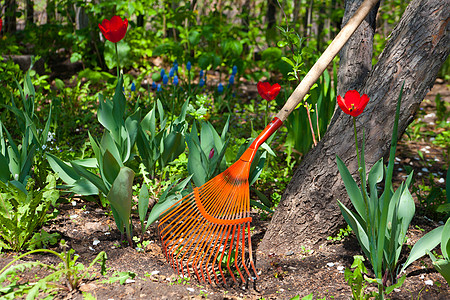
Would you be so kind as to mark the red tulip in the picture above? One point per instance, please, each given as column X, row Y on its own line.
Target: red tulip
column 267, row 91
column 115, row 29
column 1, row 23
column 353, row 104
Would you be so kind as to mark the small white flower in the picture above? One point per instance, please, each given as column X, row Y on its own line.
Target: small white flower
column 74, row 203
column 330, row 264
column 96, row 242
column 154, row 273
column 429, row 282
column 422, row 276
column 74, row 216
column 130, row 280
column 441, row 180
column 340, row 268
column 190, row 289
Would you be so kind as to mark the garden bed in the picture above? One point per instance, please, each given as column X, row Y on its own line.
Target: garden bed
column 89, row 229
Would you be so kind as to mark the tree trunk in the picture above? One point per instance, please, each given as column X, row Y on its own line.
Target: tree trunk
column 356, row 56
column 10, row 16
column 30, row 13
column 417, row 48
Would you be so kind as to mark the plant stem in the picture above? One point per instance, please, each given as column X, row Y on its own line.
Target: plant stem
column 118, row 61
column 311, row 125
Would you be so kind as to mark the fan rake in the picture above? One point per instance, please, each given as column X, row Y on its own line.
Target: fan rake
column 207, row 233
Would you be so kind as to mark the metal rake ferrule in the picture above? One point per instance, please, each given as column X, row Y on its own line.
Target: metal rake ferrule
column 207, row 233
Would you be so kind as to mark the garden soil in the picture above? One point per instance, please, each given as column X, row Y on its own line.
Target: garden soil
column 88, row 229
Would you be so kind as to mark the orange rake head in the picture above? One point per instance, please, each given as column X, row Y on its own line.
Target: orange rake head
column 207, row 233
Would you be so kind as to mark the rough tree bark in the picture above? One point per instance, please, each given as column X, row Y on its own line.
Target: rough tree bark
column 416, row 49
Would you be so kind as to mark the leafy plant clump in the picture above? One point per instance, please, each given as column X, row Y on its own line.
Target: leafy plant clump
column 23, row 212
column 68, row 274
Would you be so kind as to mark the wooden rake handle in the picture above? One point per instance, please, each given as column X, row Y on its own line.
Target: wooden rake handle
column 325, row 59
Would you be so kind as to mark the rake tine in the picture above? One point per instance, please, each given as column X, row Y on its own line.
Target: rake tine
column 250, row 252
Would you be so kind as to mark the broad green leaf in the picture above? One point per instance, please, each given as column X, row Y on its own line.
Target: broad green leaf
column 260, row 206
column 84, row 187
column 445, row 240
column 97, row 181
column 375, row 177
column 353, row 191
column 427, row 243
column 4, row 169
column 143, row 202
column 65, row 172
column 111, row 167
column 263, row 198
column 169, row 197
column 121, row 193
column 356, row 226
column 443, row 266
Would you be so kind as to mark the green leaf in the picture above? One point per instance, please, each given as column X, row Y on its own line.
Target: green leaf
column 399, row 283
column 445, row 240
column 260, row 206
column 64, row 171
column 427, row 243
column 143, row 202
column 121, row 192
column 443, row 267
column 5, row 174
column 111, row 167
column 120, row 276
column 97, row 181
column 353, row 191
column 169, row 197
column 356, row 226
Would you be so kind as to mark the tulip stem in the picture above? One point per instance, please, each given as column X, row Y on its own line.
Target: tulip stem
column 118, row 60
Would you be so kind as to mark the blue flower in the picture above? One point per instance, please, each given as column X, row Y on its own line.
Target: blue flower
column 163, row 72
column 159, row 89
column 154, row 85
column 175, row 80
column 165, row 79
column 234, row 71
column 220, row 88
column 188, row 66
column 231, row 80
column 133, row 87
column 202, row 82
column 171, row 72
column 201, row 73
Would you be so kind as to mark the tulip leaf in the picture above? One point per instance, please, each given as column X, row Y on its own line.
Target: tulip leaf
column 143, row 202
column 111, row 167
column 426, row 243
column 356, row 226
column 445, row 240
column 97, row 181
column 352, row 188
column 64, row 170
column 120, row 195
column 443, row 267
column 168, row 198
